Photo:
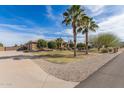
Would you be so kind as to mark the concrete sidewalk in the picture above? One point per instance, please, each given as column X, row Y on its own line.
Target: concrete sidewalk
column 24, row 73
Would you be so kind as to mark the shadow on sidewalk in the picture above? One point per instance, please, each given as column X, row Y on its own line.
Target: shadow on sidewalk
column 20, row 57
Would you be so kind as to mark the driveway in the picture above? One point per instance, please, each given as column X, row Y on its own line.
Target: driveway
column 16, row 71
column 109, row 76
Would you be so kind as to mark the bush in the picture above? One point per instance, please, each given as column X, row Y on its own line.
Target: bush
column 41, row 43
column 22, row 48
column 80, row 46
column 52, row 45
column 104, row 50
column 110, row 49
column 26, row 51
column 106, row 40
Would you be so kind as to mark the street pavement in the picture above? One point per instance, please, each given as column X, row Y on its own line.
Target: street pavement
column 109, row 76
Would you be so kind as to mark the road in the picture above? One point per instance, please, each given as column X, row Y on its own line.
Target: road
column 109, row 76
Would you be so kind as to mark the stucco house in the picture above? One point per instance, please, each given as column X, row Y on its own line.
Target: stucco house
column 32, row 46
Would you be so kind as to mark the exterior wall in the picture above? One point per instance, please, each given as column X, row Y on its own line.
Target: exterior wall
column 34, row 46
column 2, row 49
column 10, row 48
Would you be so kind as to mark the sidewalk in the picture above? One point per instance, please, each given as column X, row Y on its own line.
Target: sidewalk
column 24, row 73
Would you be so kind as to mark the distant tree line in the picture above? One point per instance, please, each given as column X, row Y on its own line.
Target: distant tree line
column 60, row 44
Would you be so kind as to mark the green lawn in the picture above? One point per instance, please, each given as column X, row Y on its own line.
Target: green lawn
column 60, row 56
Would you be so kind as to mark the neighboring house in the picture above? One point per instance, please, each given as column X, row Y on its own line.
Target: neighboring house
column 11, row 48
column 2, row 48
column 32, row 46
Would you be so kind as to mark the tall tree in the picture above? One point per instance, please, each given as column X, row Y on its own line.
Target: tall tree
column 87, row 24
column 59, row 42
column 71, row 17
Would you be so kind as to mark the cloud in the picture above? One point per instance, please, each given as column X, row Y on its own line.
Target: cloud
column 67, row 34
column 95, row 9
column 11, row 34
column 9, row 37
column 114, row 24
column 57, row 18
column 50, row 12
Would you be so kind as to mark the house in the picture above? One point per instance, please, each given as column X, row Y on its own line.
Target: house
column 11, row 48
column 32, row 46
column 2, row 48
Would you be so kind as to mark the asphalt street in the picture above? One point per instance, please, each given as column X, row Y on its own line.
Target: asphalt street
column 109, row 76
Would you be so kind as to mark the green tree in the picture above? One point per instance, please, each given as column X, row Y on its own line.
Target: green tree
column 59, row 42
column 52, row 45
column 1, row 45
column 80, row 46
column 71, row 17
column 106, row 40
column 87, row 24
column 71, row 44
column 41, row 43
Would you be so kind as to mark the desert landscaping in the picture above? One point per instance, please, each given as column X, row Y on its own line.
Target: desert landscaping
column 60, row 62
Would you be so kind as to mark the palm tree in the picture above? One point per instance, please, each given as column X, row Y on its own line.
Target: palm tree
column 59, row 42
column 87, row 24
column 72, row 18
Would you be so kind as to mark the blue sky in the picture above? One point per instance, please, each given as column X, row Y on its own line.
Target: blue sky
column 19, row 24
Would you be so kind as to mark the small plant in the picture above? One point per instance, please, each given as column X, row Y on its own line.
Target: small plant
column 104, row 50
column 26, row 51
column 110, row 49
column 80, row 46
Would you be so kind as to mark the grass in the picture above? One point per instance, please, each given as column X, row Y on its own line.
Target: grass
column 63, row 60
column 94, row 50
column 60, row 56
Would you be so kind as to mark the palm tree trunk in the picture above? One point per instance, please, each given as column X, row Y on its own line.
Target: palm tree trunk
column 74, row 33
column 86, row 42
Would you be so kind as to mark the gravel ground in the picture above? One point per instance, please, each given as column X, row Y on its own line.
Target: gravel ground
column 75, row 71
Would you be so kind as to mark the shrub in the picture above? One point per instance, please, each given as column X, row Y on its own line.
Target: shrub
column 110, row 49
column 22, row 48
column 104, row 50
column 26, row 51
column 41, row 43
column 52, row 45
column 71, row 44
column 80, row 46
column 106, row 40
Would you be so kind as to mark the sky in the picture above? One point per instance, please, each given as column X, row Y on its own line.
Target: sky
column 20, row 24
